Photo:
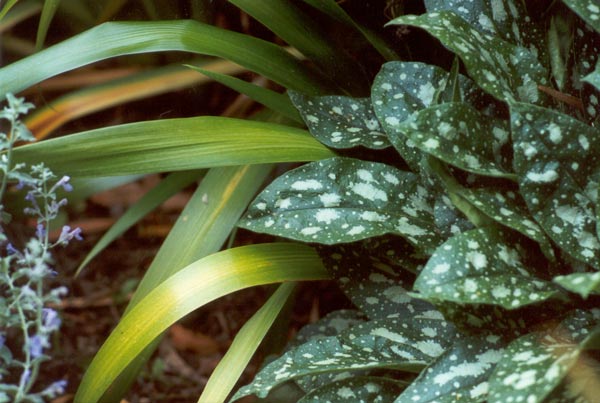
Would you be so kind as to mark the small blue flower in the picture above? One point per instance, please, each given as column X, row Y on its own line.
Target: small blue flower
column 40, row 231
column 66, row 235
column 36, row 346
column 51, row 319
column 64, row 183
column 55, row 389
column 11, row 250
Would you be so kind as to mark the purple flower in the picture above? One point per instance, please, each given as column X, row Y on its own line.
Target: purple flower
column 66, row 235
column 50, row 319
column 56, row 388
column 36, row 346
column 2, row 340
column 64, row 183
column 11, row 250
column 40, row 231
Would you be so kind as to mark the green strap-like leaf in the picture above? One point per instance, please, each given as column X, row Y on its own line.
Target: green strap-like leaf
column 460, row 373
column 589, row 10
column 152, row 199
column 556, row 159
column 356, row 389
column 243, row 347
column 506, row 71
column 125, row 38
column 405, row 344
column 481, row 267
column 173, row 145
column 461, row 136
column 535, row 364
column 344, row 200
column 333, row 9
column 194, row 286
column 200, row 230
column 341, row 122
column 48, row 12
column 271, row 99
column 301, row 31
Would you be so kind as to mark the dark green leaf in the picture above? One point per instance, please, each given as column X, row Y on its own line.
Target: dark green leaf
column 459, row 135
column 504, row 70
column 399, row 90
column 460, row 373
column 448, row 218
column 356, row 389
column 583, row 284
column 370, row 273
column 594, row 78
column 505, row 19
column 556, row 159
column 535, row 364
column 406, row 344
column 341, row 122
column 344, row 200
column 481, row 267
column 589, row 10
column 507, row 208
column 329, row 325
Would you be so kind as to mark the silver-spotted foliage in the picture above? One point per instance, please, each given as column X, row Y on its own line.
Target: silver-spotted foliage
column 473, row 257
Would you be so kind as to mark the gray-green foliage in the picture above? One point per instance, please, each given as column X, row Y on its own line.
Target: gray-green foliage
column 472, row 259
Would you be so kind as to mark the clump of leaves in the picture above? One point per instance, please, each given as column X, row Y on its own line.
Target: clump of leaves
column 474, row 260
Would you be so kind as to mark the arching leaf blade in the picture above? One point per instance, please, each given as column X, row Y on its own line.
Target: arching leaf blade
column 114, row 39
column 194, row 286
column 173, row 145
column 271, row 99
column 45, row 120
column 201, row 229
column 151, row 200
column 244, row 345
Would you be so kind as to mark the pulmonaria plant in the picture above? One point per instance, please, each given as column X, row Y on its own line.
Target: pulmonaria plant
column 26, row 320
column 474, row 259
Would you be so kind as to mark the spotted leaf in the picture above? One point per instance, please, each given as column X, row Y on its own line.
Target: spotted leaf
column 344, row 200
column 506, row 71
column 461, row 136
column 340, row 122
column 505, row 19
column 480, row 267
column 534, row 365
column 356, row 389
column 329, row 325
column 402, row 88
column 583, row 68
column 371, row 273
column 589, row 10
column 583, row 284
column 407, row 344
column 556, row 159
column 448, row 218
column 508, row 208
column 594, row 78
column 458, row 375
